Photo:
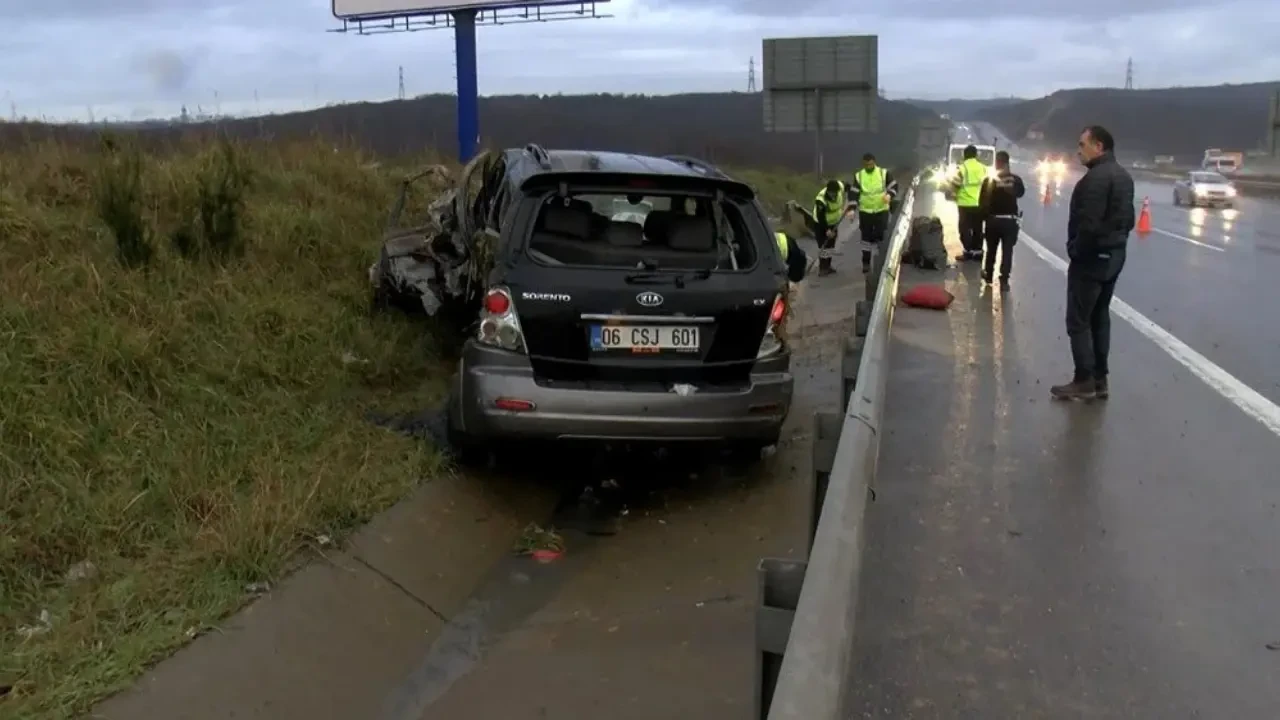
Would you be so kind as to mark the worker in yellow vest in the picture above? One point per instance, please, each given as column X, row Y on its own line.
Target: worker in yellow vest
column 829, row 208
column 797, row 262
column 967, row 183
column 873, row 189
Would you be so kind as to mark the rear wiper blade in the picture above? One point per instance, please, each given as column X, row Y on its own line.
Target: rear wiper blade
column 677, row 279
column 651, row 278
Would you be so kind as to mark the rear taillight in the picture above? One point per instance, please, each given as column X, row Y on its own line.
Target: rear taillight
column 771, row 343
column 499, row 324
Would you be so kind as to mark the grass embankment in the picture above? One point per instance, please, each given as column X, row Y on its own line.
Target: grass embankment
column 186, row 359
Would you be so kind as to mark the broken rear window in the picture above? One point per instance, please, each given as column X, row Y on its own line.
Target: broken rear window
column 631, row 230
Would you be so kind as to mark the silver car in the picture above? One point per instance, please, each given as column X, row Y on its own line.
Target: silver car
column 1201, row 187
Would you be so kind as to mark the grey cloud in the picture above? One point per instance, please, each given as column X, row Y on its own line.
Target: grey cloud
column 1081, row 10
column 166, row 70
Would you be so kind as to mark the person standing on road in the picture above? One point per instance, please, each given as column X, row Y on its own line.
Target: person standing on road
column 874, row 189
column 967, row 183
column 998, row 202
column 828, row 210
column 1097, row 235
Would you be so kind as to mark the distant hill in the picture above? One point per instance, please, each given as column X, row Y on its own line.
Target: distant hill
column 960, row 109
column 1169, row 121
column 721, row 127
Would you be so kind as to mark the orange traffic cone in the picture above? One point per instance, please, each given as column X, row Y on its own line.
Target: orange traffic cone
column 1144, row 217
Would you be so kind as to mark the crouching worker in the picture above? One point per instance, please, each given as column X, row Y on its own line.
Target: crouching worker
column 794, row 256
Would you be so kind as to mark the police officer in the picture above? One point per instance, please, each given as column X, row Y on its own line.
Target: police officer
column 874, row 189
column 967, row 183
column 828, row 209
column 999, row 204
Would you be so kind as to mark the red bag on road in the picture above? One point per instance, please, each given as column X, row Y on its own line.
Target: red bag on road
column 933, row 297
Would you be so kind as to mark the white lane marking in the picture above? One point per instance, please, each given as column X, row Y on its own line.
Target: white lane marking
column 1227, row 385
column 1187, row 239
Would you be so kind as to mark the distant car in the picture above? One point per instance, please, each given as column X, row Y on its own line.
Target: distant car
column 1052, row 165
column 632, row 298
column 1200, row 187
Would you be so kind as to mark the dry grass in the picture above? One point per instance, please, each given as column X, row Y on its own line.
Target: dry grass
column 186, row 360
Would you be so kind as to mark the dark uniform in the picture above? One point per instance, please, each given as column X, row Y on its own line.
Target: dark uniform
column 829, row 208
column 999, row 204
column 1097, row 237
column 874, row 190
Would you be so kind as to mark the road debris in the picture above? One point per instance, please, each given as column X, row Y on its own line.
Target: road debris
column 539, row 542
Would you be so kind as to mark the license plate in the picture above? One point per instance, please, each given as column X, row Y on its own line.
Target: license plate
column 645, row 338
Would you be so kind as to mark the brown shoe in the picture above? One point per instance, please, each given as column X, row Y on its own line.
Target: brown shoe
column 1101, row 389
column 1084, row 389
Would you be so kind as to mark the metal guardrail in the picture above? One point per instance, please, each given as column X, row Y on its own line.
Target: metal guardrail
column 807, row 610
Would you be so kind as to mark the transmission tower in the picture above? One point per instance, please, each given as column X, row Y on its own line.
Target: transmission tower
column 401, row 94
column 751, row 75
column 1128, row 75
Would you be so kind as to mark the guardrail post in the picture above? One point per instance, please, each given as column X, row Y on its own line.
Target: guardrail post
column 861, row 317
column 826, row 436
column 780, row 581
column 850, row 361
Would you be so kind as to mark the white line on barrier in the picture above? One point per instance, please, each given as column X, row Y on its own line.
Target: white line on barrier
column 1227, row 385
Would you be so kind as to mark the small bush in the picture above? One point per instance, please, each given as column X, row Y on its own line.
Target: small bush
column 120, row 203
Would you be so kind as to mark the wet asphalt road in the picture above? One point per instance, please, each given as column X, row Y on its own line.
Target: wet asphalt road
column 1209, row 276
column 1031, row 558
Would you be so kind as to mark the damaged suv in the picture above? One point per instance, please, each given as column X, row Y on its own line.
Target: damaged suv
column 627, row 298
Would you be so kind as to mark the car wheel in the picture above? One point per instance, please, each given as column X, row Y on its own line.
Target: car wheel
column 744, row 453
column 466, row 450
column 1177, row 200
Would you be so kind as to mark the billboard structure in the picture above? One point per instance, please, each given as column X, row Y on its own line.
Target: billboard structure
column 931, row 141
column 371, row 17
column 821, row 85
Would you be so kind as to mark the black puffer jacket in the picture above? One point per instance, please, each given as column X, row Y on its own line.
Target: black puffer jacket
column 1101, row 210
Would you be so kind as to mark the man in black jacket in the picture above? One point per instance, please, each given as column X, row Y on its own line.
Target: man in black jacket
column 1097, row 234
column 999, row 205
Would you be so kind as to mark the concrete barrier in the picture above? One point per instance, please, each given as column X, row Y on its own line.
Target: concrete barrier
column 811, row 681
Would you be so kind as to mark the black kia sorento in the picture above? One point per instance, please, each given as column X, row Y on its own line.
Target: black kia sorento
column 631, row 298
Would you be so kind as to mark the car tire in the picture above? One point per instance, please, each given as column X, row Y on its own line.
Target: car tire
column 1176, row 199
column 744, row 453
column 466, row 450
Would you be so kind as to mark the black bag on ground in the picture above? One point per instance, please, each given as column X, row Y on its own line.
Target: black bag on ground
column 925, row 248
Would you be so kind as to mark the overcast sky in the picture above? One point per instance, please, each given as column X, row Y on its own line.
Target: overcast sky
column 140, row 58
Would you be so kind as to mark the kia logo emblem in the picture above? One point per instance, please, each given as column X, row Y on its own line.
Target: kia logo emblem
column 649, row 299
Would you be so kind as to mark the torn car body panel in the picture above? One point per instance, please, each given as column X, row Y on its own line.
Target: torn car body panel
column 443, row 260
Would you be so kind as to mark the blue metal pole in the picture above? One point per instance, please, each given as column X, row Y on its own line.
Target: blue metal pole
column 464, row 44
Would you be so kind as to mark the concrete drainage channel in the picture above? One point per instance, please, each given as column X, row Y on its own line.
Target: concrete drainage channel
column 806, row 611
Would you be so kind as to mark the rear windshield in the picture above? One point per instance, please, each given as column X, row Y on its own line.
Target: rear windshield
column 652, row 231
column 1208, row 178
column 986, row 156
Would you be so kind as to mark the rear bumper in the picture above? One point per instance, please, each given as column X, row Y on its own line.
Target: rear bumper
column 486, row 375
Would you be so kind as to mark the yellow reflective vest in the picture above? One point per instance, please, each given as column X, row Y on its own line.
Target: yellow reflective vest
column 972, row 173
column 835, row 208
column 781, row 239
column 872, row 184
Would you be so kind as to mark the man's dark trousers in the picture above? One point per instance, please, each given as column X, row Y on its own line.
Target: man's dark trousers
column 1090, row 286
column 1002, row 234
column 873, row 227
column 970, row 226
